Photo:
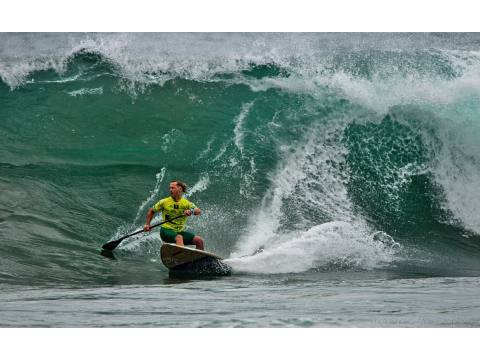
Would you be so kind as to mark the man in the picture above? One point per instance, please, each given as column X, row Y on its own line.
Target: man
column 174, row 206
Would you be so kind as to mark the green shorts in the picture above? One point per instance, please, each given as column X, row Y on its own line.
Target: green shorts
column 168, row 235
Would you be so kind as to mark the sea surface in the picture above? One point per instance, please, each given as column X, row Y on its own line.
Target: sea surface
column 338, row 175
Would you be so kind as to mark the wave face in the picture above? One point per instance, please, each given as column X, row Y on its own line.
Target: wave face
column 306, row 152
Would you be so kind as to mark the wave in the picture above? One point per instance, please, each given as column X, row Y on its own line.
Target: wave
column 306, row 152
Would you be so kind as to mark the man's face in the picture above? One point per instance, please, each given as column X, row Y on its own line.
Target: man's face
column 175, row 189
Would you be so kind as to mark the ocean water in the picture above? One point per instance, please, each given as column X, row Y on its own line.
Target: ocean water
column 338, row 175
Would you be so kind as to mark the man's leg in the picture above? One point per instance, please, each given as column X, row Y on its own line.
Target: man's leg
column 198, row 241
column 179, row 240
column 168, row 235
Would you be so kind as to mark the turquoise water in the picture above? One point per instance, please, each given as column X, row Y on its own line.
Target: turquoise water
column 338, row 174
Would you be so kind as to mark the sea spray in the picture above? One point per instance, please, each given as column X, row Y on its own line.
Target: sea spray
column 308, row 187
column 154, row 194
column 329, row 246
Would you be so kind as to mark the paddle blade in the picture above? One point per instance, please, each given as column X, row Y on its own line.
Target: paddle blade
column 108, row 254
column 112, row 245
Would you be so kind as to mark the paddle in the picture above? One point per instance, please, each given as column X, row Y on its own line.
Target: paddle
column 113, row 244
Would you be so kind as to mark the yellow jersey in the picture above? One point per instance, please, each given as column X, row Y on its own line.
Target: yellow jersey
column 170, row 209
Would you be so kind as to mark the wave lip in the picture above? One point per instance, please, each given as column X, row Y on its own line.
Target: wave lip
column 146, row 59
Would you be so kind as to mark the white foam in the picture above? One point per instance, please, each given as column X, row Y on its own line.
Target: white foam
column 309, row 179
column 222, row 151
column 457, row 170
column 330, row 245
column 199, row 186
column 63, row 80
column 153, row 195
column 169, row 139
column 238, row 131
column 207, row 150
column 15, row 74
column 380, row 94
column 86, row 91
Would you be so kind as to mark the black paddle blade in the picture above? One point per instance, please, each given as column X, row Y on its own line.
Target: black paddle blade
column 108, row 254
column 112, row 245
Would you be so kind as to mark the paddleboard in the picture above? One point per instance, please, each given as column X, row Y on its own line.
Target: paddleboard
column 182, row 260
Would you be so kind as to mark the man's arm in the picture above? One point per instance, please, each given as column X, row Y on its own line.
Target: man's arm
column 150, row 214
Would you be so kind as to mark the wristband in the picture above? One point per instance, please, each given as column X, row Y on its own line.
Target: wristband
column 192, row 210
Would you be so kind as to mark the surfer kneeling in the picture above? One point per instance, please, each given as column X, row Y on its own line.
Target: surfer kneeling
column 172, row 207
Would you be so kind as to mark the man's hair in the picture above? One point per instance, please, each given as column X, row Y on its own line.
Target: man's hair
column 181, row 184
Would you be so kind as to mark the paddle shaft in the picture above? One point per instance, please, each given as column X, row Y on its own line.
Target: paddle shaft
column 113, row 244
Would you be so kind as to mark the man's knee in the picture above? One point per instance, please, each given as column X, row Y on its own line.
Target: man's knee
column 179, row 240
column 198, row 241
